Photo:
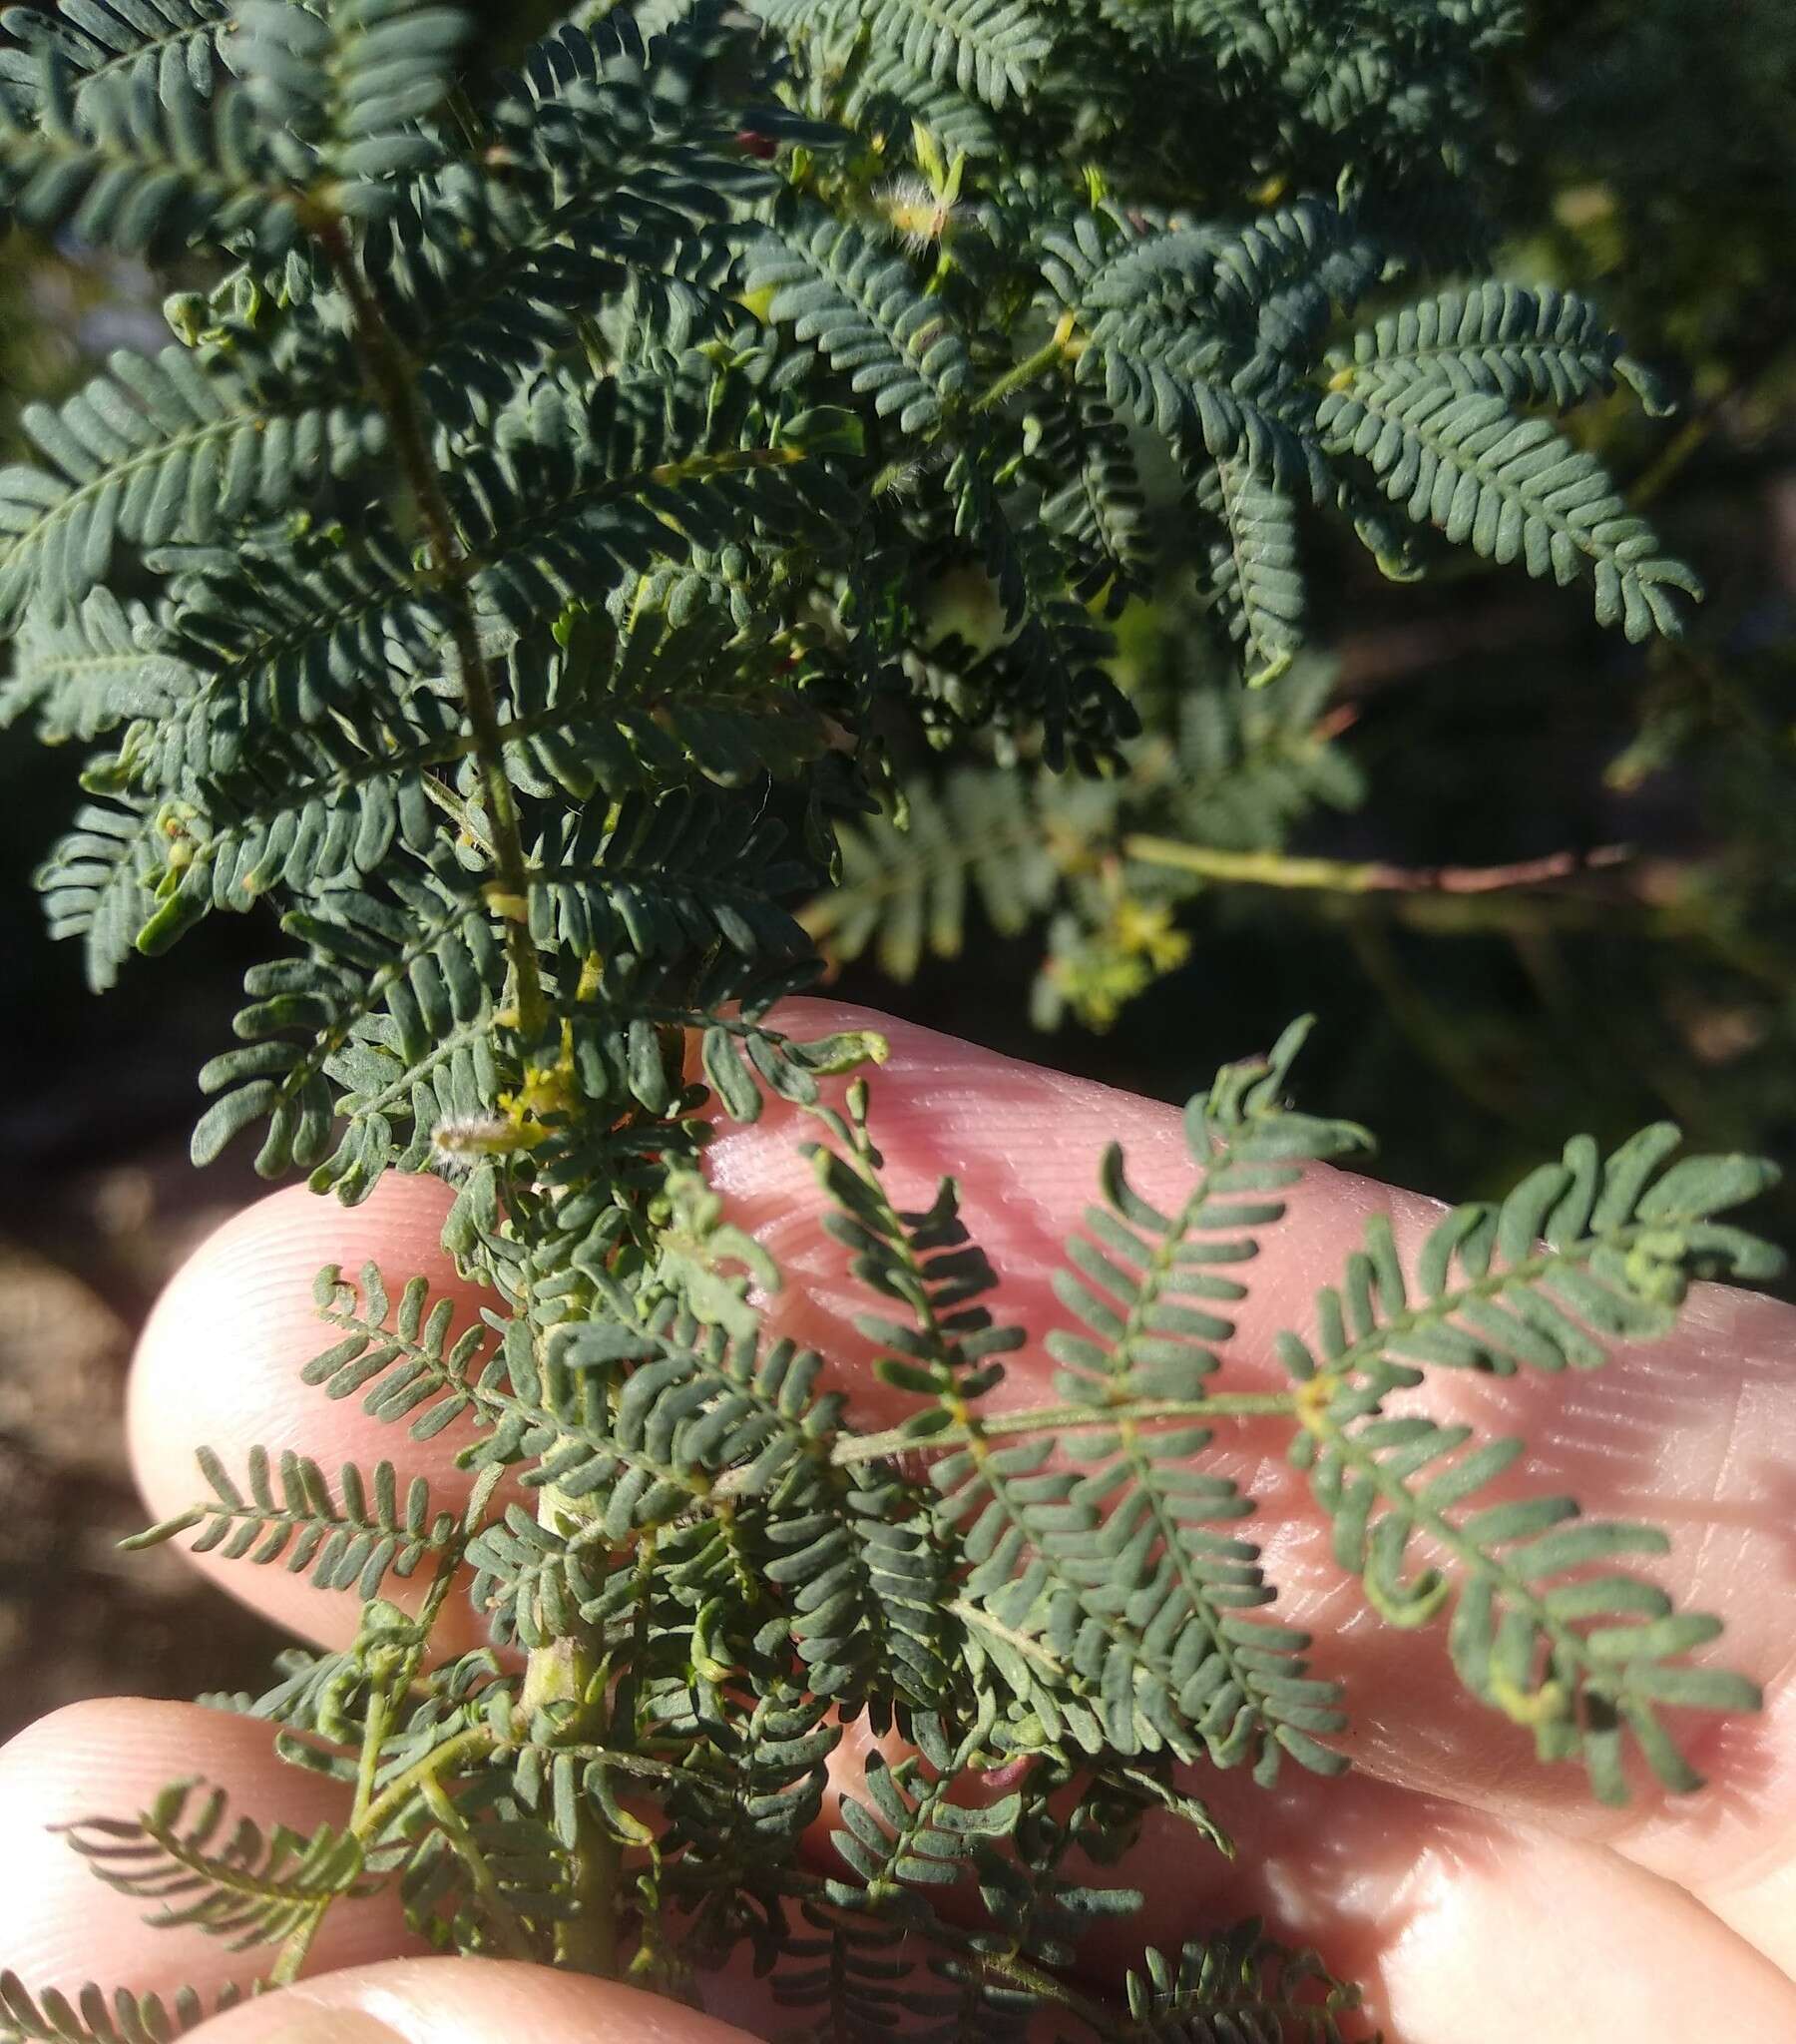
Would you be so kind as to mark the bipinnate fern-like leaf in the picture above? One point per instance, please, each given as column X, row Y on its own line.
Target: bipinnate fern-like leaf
column 351, row 1540
column 1073, row 1580
column 1121, row 1567
column 162, row 449
column 1583, row 1254
column 1156, row 1290
column 228, row 1879
column 93, row 2016
column 106, row 41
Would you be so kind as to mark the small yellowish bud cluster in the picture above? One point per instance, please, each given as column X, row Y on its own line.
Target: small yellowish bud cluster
column 1146, row 929
column 459, row 1142
column 919, row 216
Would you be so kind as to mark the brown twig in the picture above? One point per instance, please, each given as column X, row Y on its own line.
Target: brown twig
column 1368, row 876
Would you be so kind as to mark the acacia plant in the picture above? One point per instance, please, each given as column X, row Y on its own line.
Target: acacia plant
column 510, row 571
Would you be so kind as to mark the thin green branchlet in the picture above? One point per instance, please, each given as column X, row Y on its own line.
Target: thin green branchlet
column 508, row 575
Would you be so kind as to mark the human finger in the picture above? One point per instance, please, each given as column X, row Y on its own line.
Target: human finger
column 1460, row 1926
column 218, row 1364
column 463, row 2002
column 110, row 1759
column 1698, row 1432
column 1024, row 1143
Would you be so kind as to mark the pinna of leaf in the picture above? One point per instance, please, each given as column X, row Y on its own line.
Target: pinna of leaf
column 509, row 574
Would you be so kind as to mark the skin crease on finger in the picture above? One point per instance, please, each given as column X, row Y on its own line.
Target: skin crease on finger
column 1024, row 1144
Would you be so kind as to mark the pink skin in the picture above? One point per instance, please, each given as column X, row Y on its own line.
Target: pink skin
column 1480, row 1896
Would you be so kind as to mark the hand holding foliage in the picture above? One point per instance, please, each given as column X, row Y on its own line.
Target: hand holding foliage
column 511, row 573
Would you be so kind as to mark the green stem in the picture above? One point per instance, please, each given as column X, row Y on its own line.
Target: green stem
column 898, row 1440
column 458, row 814
column 390, row 376
column 455, row 1828
column 1026, row 372
column 1019, row 1975
column 587, row 1942
column 380, row 1711
column 298, row 1948
column 564, row 1672
column 391, row 1800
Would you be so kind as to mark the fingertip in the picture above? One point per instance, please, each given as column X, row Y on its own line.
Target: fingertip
column 462, row 2001
column 220, row 1359
column 110, row 1758
column 243, row 1302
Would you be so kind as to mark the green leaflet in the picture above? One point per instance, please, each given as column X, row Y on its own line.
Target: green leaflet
column 95, row 2017
column 230, row 1879
column 162, row 449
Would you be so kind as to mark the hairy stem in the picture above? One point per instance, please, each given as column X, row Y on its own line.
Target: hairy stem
column 1026, row 372
column 898, row 1440
column 564, row 1672
column 392, row 1799
column 390, row 376
column 380, row 1712
column 290, row 1962
column 587, row 1940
